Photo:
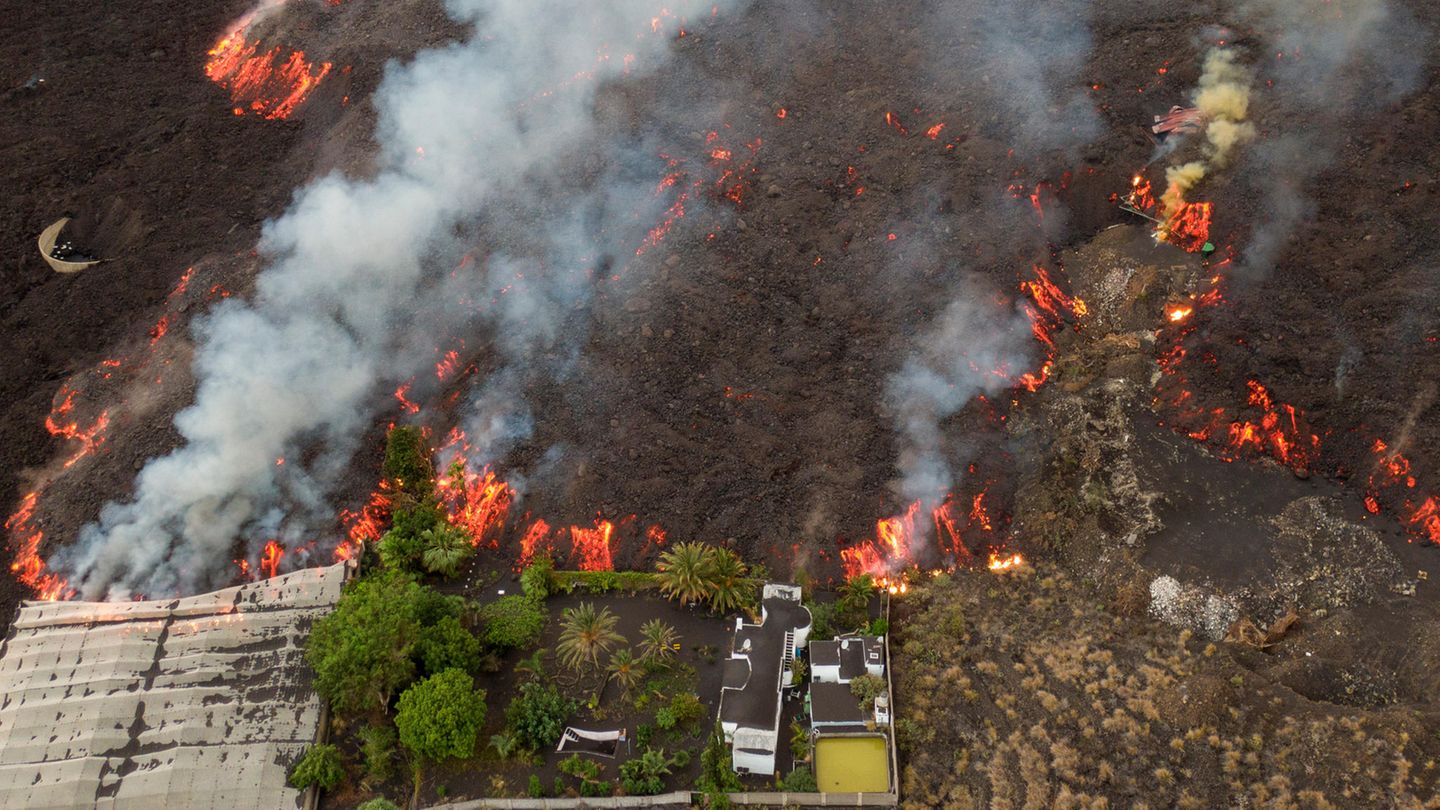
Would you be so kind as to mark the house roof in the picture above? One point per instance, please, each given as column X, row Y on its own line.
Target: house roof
column 832, row 703
column 188, row 703
column 851, row 653
column 755, row 703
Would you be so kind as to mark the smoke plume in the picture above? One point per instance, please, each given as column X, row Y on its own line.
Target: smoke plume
column 288, row 380
column 1347, row 58
column 970, row 349
column 1223, row 95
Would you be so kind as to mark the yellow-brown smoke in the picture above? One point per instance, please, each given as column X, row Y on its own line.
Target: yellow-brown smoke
column 1223, row 95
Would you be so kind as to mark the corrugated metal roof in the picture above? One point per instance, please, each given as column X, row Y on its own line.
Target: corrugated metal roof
column 198, row 702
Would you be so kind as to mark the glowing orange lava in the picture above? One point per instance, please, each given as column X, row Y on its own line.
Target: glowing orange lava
column 28, row 567
column 1000, row 562
column 262, row 83
column 590, row 548
column 270, row 558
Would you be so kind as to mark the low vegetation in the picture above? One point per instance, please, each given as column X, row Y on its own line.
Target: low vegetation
column 1019, row 691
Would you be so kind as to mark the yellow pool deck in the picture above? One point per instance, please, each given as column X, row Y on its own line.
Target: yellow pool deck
column 852, row 764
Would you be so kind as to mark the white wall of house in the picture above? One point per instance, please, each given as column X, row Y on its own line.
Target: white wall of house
column 825, row 674
column 754, row 750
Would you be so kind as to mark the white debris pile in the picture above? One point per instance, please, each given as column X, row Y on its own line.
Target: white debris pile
column 1191, row 607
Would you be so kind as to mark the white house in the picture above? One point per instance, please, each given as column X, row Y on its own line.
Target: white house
column 846, row 658
column 755, row 677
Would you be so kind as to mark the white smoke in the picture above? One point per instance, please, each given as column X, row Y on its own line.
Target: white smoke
column 1349, row 57
column 976, row 346
column 299, row 371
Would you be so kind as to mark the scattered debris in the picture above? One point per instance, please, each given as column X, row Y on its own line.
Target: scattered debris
column 1248, row 633
column 1179, row 119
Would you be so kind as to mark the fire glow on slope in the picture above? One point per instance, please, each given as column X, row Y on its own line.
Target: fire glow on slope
column 897, row 543
column 1266, row 427
column 269, row 83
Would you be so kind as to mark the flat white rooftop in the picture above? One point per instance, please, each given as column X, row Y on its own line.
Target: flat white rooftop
column 201, row 702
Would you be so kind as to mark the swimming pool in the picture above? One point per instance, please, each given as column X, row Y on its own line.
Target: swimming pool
column 852, row 764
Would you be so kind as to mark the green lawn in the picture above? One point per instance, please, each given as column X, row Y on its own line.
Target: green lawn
column 852, row 765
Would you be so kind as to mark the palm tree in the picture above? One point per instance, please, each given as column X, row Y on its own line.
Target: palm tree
column 586, row 635
column 445, row 548
column 625, row 669
column 728, row 589
column 657, row 641
column 685, row 572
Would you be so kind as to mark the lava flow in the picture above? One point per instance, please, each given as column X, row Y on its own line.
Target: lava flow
column 1391, row 480
column 28, row 567
column 896, row 545
column 1048, row 310
column 264, row 83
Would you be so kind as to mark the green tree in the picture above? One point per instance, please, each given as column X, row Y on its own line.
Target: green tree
column 685, row 572
column 657, row 642
column 853, row 606
column 728, row 589
column 447, row 645
column 717, row 773
column 439, row 718
column 624, row 669
column 407, row 465
column 377, row 745
column 400, row 550
column 537, row 715
column 586, row 634
column 867, row 687
column 799, row 741
column 319, row 766
column 361, row 653
column 535, row 579
column 512, row 622
column 445, row 547
column 645, row 775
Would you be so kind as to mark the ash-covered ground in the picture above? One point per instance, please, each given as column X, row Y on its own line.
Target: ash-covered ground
column 710, row 298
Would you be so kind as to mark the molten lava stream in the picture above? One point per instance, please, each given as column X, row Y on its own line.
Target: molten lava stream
column 262, row 82
column 28, row 568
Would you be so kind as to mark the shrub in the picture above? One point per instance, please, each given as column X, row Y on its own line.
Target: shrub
column 379, row 803
column 822, row 620
column 535, row 790
column 320, row 766
column 377, row 746
column 537, row 715
column 535, row 579
column 439, row 717
column 512, row 622
column 447, row 645
column 880, row 627
column 800, row 780
column 686, row 707
column 665, row 718
column 643, row 734
column 645, row 775
column 867, row 687
column 588, row 772
column 444, row 548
